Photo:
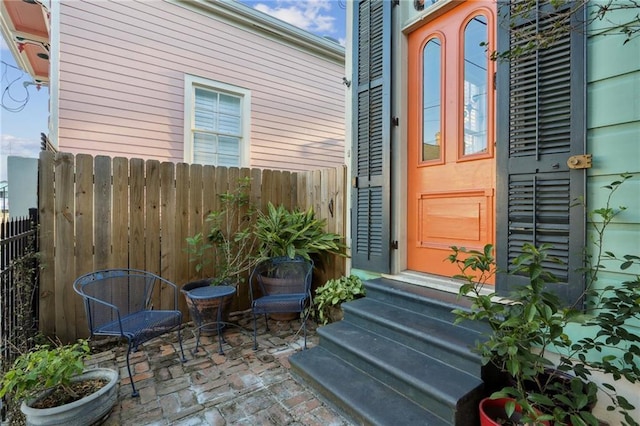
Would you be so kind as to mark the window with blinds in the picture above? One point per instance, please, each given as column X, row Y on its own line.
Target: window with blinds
column 217, row 128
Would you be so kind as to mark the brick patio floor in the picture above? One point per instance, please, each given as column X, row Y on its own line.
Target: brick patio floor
column 241, row 387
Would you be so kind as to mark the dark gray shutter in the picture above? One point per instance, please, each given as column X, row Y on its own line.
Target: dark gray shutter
column 372, row 147
column 541, row 123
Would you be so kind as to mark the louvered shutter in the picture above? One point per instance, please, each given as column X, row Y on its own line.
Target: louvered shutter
column 371, row 148
column 541, row 123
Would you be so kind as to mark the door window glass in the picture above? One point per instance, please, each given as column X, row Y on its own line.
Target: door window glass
column 431, row 100
column 475, row 87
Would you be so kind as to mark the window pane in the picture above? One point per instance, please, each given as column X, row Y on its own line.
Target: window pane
column 229, row 151
column 229, row 124
column 205, row 120
column 229, row 105
column 205, row 148
column 475, row 86
column 217, row 128
column 206, row 109
column 431, row 100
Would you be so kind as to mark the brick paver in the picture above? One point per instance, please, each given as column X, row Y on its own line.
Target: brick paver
column 241, row 387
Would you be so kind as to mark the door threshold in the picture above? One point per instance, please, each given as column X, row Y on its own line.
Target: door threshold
column 436, row 282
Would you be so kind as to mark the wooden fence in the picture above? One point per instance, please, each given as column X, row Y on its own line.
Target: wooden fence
column 99, row 212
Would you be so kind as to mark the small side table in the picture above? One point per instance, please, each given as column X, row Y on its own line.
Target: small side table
column 212, row 292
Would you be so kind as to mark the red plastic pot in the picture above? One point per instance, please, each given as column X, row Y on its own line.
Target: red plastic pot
column 493, row 413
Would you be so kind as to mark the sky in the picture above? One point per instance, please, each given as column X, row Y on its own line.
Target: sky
column 24, row 112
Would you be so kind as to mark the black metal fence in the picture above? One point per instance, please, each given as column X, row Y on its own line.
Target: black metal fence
column 18, row 286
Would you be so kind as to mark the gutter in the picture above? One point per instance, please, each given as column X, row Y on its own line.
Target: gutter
column 268, row 25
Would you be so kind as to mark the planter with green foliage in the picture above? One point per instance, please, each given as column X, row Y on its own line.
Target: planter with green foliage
column 228, row 248
column 56, row 389
column 330, row 296
column 529, row 331
column 293, row 233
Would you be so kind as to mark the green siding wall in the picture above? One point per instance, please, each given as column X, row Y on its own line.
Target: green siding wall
column 613, row 138
column 613, row 123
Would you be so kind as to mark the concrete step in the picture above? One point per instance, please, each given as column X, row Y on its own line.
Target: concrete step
column 398, row 351
column 436, row 338
column 356, row 394
column 430, row 383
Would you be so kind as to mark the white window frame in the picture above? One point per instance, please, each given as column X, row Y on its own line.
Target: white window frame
column 192, row 82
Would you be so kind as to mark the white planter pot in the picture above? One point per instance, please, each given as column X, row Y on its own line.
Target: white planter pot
column 82, row 412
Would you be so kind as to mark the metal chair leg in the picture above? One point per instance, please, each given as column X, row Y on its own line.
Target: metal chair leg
column 255, row 333
column 135, row 391
column 183, row 359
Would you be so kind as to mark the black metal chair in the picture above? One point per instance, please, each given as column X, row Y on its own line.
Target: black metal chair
column 118, row 303
column 281, row 285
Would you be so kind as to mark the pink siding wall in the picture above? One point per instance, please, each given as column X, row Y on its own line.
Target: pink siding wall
column 122, row 67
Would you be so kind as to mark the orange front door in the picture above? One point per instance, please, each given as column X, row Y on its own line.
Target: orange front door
column 451, row 165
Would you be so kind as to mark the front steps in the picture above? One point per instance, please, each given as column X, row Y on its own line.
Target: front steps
column 397, row 359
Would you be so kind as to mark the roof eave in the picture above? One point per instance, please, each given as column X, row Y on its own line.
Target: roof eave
column 262, row 22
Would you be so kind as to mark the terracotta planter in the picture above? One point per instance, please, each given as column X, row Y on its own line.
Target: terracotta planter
column 205, row 311
column 86, row 411
column 493, row 413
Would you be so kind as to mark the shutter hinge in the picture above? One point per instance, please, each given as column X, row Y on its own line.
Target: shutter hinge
column 394, row 244
column 495, row 80
column 579, row 161
column 395, row 121
column 354, row 182
column 396, row 3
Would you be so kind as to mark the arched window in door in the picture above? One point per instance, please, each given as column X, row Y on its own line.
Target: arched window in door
column 431, row 100
column 475, row 98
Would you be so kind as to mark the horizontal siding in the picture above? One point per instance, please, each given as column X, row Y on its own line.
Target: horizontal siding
column 615, row 100
column 608, row 143
column 122, row 77
column 613, row 121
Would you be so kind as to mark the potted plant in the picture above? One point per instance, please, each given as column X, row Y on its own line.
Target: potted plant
column 55, row 388
column 293, row 233
column 228, row 249
column 548, row 375
column 330, row 296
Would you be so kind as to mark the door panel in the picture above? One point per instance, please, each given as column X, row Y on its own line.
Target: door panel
column 451, row 165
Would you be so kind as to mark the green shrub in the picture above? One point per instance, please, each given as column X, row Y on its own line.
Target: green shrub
column 334, row 292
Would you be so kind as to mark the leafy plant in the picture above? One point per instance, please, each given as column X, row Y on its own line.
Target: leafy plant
column 230, row 244
column 335, row 292
column 531, row 324
column 283, row 232
column 43, row 368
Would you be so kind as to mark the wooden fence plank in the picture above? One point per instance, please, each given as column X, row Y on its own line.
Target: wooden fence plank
column 120, row 239
column 222, row 186
column 84, row 226
column 181, row 228
column 152, row 223
column 102, row 212
column 46, row 213
column 195, row 212
column 137, row 243
column 168, row 267
column 64, row 243
column 209, row 196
